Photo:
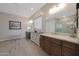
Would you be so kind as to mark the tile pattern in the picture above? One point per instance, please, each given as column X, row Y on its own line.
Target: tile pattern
column 20, row 47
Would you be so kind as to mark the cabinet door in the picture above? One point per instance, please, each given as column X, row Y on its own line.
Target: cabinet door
column 55, row 50
column 47, row 46
column 68, row 52
column 70, row 49
column 41, row 42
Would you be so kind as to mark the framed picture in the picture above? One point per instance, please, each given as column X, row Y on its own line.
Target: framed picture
column 14, row 25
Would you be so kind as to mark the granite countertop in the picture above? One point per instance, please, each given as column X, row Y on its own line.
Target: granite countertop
column 62, row 37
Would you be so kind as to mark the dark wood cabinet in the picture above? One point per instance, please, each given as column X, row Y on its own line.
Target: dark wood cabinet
column 55, row 50
column 57, row 47
column 51, row 46
column 45, row 44
column 70, row 49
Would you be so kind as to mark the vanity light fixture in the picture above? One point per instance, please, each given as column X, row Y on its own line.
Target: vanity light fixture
column 57, row 8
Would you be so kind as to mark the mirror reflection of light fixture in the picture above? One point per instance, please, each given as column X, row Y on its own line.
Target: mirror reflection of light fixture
column 28, row 28
column 55, row 9
column 62, row 5
column 31, row 21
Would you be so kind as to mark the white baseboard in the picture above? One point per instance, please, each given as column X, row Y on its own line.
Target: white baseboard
column 5, row 39
column 1, row 39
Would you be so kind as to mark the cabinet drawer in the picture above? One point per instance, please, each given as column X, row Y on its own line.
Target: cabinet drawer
column 70, row 45
column 44, row 37
column 56, row 41
column 52, row 40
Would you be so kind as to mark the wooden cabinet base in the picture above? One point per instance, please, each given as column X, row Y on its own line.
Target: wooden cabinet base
column 69, row 52
column 56, row 47
column 55, row 50
column 49, row 46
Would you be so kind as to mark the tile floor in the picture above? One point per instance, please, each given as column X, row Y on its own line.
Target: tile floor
column 20, row 47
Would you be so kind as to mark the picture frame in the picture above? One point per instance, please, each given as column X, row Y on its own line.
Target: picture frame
column 14, row 25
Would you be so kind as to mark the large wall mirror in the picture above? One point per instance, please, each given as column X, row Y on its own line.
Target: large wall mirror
column 66, row 25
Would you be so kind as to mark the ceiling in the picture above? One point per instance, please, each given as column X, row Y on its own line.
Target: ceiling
column 21, row 9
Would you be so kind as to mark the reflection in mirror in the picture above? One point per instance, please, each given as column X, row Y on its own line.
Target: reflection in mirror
column 66, row 25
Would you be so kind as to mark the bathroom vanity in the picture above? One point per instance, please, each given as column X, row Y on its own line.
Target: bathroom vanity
column 59, row 45
column 60, row 39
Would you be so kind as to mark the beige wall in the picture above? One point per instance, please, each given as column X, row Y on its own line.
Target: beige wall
column 5, row 33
